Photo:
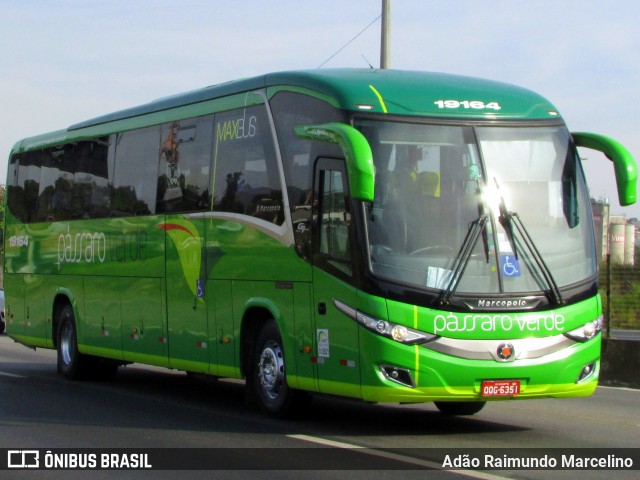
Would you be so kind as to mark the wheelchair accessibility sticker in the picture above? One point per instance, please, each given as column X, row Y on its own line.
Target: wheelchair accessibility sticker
column 510, row 266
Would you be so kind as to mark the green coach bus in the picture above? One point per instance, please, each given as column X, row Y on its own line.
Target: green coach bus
column 385, row 235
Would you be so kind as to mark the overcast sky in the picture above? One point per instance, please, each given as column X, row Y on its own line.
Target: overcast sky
column 68, row 61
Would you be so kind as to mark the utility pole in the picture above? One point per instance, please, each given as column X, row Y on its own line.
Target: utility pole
column 385, row 39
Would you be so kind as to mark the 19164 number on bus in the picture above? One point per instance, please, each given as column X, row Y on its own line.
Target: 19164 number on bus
column 468, row 104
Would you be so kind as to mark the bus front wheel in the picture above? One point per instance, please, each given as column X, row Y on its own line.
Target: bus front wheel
column 269, row 381
column 460, row 408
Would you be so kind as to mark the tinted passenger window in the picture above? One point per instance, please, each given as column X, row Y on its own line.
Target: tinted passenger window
column 24, row 185
column 65, row 182
column 298, row 155
column 185, row 157
column 135, row 178
column 290, row 110
column 246, row 179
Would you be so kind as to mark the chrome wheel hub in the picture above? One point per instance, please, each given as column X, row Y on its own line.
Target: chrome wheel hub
column 66, row 344
column 271, row 370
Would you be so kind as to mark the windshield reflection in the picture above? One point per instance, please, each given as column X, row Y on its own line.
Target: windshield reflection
column 435, row 182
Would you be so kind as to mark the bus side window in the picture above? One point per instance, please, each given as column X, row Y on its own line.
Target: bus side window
column 246, row 179
column 24, row 186
column 291, row 109
column 135, row 177
column 334, row 221
column 64, row 182
column 185, row 158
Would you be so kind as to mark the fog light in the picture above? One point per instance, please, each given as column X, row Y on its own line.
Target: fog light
column 398, row 375
column 587, row 372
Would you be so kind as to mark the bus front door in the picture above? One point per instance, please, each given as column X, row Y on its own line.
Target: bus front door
column 336, row 336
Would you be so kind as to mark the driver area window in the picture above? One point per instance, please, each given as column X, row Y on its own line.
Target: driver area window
column 334, row 222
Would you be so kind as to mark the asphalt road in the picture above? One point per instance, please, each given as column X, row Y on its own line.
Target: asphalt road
column 147, row 407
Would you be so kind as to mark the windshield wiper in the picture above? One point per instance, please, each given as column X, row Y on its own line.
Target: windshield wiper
column 464, row 255
column 505, row 220
column 510, row 219
column 537, row 258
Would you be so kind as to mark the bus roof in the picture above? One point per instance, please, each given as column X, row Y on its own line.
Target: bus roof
column 396, row 92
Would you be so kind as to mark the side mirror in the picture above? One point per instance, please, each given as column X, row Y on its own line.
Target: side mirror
column 357, row 153
column 623, row 163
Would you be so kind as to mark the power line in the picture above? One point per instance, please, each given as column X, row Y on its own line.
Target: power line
column 347, row 44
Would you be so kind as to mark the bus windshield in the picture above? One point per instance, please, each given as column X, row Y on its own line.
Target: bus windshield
column 478, row 209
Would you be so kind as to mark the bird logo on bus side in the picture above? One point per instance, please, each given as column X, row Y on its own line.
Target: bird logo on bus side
column 189, row 247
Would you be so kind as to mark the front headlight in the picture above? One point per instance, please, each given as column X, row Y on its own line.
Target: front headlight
column 586, row 331
column 399, row 333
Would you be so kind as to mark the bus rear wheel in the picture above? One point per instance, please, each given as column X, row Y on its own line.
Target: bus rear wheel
column 459, row 408
column 73, row 364
column 269, row 377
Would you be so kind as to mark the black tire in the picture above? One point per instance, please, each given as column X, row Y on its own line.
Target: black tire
column 269, row 377
column 459, row 408
column 73, row 364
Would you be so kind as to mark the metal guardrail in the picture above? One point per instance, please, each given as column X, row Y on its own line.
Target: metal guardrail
column 631, row 335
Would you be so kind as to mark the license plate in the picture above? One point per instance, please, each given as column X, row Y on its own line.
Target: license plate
column 500, row 388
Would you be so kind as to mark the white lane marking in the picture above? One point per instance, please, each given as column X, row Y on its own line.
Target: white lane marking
column 326, row 442
column 12, row 375
column 395, row 456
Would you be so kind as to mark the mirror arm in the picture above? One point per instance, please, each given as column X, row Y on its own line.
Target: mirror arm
column 357, row 152
column 624, row 165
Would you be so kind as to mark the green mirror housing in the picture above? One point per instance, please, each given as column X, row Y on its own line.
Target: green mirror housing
column 357, row 152
column 623, row 163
